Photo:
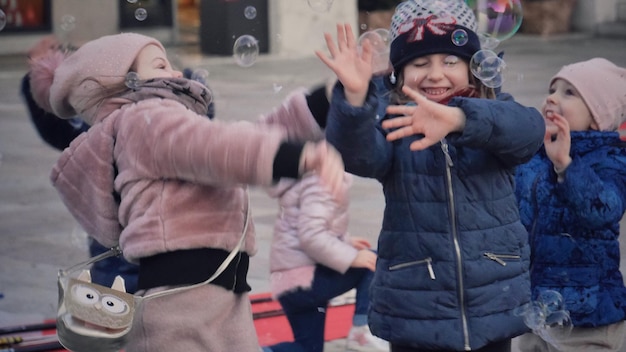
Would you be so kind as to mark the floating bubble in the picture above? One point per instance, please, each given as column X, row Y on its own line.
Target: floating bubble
column 320, row 5
column 499, row 19
column 385, row 35
column 485, row 65
column 459, row 37
column 379, row 42
column 534, row 315
column 132, row 80
column 132, row 1
column 141, row 14
column 250, row 12
column 494, row 82
column 558, row 328
column 277, row 87
column 246, row 50
column 3, row 20
column 201, row 75
column 487, row 42
column 552, row 300
column 548, row 318
column 68, row 23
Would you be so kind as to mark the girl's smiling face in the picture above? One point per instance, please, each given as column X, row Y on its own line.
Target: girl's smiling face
column 566, row 101
column 152, row 62
column 436, row 76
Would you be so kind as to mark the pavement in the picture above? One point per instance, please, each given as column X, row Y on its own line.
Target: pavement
column 39, row 236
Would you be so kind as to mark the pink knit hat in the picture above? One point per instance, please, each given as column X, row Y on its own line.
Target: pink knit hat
column 103, row 61
column 602, row 86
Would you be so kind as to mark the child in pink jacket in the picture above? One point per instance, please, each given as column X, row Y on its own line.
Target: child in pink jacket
column 157, row 177
column 313, row 259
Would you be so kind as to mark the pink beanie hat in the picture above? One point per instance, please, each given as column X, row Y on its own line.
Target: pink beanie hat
column 101, row 62
column 602, row 86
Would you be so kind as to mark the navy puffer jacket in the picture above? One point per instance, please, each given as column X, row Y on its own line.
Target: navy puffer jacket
column 453, row 256
column 576, row 226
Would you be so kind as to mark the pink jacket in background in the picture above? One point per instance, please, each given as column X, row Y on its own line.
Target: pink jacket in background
column 311, row 228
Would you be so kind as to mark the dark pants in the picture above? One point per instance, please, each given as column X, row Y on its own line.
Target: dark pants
column 104, row 271
column 501, row 346
column 306, row 309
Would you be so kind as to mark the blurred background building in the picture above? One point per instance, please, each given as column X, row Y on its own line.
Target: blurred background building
column 282, row 27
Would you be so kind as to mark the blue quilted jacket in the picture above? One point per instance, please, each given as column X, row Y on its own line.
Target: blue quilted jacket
column 574, row 226
column 453, row 256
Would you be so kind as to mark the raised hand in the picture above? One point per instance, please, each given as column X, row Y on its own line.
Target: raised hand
column 353, row 68
column 432, row 120
column 322, row 158
column 557, row 141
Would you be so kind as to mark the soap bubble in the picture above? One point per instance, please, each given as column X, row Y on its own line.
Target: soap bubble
column 250, row 12
column 68, row 23
column 246, row 50
column 379, row 42
column 132, row 80
column 3, row 19
column 499, row 19
column 201, row 75
column 320, row 5
column 132, row 1
column 485, row 65
column 460, row 37
column 141, row 14
column 548, row 318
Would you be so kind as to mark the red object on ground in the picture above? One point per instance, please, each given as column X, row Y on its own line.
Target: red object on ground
column 272, row 325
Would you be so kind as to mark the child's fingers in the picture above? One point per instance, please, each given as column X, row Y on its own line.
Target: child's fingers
column 420, row 144
column 401, row 110
column 351, row 41
column 415, row 95
column 330, row 44
column 341, row 37
column 397, row 122
column 400, row 133
column 367, row 52
column 325, row 59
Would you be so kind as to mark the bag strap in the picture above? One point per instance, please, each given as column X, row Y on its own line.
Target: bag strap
column 116, row 251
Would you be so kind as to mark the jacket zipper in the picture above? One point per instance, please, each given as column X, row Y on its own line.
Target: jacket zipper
column 428, row 261
column 457, row 246
column 499, row 258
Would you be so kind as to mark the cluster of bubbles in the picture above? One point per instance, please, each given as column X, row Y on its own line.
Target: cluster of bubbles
column 140, row 13
column 497, row 20
column 548, row 318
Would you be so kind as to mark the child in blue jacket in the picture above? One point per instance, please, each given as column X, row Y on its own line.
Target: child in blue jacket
column 572, row 197
column 453, row 256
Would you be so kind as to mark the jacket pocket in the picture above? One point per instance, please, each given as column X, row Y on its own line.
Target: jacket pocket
column 502, row 259
column 427, row 263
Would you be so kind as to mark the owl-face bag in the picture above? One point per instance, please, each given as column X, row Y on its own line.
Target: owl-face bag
column 95, row 318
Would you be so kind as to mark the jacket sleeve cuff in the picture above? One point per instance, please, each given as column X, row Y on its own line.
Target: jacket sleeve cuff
column 287, row 161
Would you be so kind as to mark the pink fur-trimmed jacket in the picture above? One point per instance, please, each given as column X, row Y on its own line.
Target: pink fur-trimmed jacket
column 311, row 228
column 179, row 175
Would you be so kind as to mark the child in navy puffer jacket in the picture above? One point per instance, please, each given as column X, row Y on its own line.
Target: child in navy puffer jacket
column 572, row 196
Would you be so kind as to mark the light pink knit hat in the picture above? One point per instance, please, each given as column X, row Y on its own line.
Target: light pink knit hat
column 602, row 86
column 103, row 61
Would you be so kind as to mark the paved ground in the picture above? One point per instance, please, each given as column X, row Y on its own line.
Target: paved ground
column 39, row 236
